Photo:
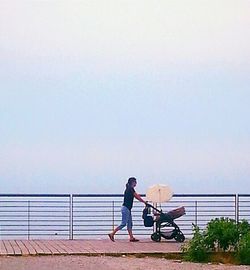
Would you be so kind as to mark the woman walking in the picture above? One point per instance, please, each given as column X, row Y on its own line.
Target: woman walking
column 129, row 195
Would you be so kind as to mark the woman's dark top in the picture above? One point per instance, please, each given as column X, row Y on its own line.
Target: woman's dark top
column 129, row 197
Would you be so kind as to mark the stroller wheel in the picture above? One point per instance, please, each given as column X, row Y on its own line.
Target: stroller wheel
column 156, row 237
column 179, row 237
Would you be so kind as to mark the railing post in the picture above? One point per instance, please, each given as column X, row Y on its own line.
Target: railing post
column 113, row 215
column 28, row 220
column 71, row 217
column 237, row 214
column 196, row 213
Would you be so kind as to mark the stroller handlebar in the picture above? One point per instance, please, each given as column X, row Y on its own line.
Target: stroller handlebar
column 150, row 205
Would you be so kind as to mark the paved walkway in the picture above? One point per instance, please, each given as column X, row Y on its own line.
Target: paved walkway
column 84, row 247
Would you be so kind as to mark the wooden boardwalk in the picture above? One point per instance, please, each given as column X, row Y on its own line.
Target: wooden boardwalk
column 84, row 247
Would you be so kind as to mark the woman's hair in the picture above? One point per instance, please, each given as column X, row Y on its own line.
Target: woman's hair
column 130, row 181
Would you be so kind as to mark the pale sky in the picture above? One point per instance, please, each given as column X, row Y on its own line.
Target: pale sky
column 93, row 92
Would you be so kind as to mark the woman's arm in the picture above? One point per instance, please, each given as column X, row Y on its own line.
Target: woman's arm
column 139, row 198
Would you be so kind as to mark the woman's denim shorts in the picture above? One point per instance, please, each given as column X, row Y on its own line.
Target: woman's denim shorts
column 126, row 218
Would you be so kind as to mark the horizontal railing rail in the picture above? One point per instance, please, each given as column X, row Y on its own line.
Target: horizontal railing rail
column 77, row 216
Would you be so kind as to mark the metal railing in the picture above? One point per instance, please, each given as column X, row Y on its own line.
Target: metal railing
column 77, row 216
column 243, row 207
column 35, row 215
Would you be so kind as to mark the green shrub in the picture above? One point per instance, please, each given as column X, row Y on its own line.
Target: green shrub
column 221, row 234
column 243, row 228
column 244, row 249
column 195, row 250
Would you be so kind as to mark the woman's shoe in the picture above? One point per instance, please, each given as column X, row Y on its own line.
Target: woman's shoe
column 134, row 240
column 111, row 237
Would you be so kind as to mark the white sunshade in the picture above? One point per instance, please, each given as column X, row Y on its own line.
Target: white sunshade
column 159, row 193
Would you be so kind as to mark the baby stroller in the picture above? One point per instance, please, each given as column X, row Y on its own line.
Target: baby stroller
column 162, row 221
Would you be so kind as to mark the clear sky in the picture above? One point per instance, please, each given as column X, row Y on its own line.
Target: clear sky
column 92, row 92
